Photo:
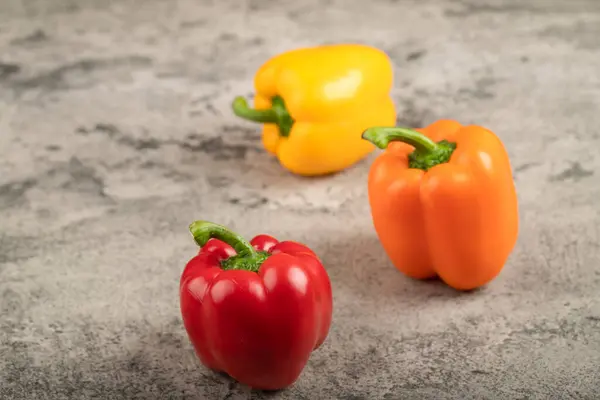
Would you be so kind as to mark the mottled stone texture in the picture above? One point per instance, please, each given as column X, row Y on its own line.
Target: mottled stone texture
column 116, row 133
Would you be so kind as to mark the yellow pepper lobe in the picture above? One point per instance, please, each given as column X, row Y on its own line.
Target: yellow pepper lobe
column 331, row 94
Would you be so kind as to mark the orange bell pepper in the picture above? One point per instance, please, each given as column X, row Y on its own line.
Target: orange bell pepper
column 443, row 202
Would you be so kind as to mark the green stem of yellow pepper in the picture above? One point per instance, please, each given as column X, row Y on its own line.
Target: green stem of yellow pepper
column 277, row 114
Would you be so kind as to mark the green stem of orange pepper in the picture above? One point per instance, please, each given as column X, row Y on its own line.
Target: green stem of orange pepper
column 427, row 153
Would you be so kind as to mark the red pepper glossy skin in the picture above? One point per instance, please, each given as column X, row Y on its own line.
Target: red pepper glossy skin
column 258, row 327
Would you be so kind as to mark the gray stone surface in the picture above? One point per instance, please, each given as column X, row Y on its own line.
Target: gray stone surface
column 116, row 133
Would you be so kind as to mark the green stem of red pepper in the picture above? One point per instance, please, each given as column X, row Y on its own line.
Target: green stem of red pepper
column 247, row 257
column 427, row 153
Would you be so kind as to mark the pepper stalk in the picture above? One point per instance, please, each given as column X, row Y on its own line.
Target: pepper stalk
column 277, row 114
column 247, row 257
column 427, row 153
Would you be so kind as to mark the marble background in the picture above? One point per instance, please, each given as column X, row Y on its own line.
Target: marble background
column 116, row 133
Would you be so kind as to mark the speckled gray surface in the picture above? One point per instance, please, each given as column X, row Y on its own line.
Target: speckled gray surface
column 116, row 133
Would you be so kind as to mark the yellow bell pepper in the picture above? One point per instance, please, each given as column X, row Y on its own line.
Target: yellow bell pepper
column 316, row 102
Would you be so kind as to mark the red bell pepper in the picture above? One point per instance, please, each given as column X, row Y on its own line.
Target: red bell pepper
column 256, row 310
